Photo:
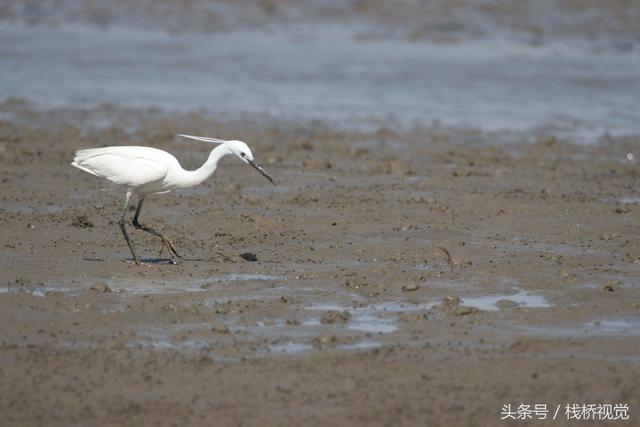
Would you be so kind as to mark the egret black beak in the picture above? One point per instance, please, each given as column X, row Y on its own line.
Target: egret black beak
column 262, row 171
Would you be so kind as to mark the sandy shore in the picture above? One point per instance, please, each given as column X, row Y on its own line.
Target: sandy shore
column 421, row 278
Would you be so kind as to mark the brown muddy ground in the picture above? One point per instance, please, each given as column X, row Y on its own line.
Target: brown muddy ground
column 352, row 313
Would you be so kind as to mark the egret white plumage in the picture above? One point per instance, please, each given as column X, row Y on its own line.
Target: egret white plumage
column 146, row 170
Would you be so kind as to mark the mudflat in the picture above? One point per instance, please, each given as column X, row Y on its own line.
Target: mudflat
column 415, row 277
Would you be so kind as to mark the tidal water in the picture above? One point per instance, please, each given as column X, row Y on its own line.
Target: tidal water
column 327, row 73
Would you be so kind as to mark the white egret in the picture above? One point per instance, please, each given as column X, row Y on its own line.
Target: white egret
column 146, row 170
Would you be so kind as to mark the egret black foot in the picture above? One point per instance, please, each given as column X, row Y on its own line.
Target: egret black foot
column 224, row 257
column 167, row 243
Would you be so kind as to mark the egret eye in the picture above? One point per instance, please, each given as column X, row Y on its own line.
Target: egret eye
column 243, row 155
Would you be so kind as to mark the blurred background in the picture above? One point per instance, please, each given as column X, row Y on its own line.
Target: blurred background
column 564, row 67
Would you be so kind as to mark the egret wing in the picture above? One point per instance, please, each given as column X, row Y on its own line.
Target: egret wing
column 121, row 169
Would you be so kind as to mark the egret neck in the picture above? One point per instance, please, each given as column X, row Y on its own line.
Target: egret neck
column 195, row 177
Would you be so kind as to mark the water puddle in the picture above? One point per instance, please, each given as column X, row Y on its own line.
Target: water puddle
column 293, row 348
column 290, row 347
column 493, row 302
column 42, row 291
column 167, row 344
column 364, row 322
column 28, row 210
column 619, row 326
column 630, row 200
column 615, row 326
column 378, row 318
column 552, row 248
column 136, row 286
column 175, row 337
column 308, row 330
column 192, row 285
column 287, row 341
column 266, row 292
column 279, row 335
column 362, row 345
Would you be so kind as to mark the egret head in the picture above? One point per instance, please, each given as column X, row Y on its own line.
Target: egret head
column 243, row 151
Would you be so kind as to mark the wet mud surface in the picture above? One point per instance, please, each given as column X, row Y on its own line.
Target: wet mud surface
column 401, row 278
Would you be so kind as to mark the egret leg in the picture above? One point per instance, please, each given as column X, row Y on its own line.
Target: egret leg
column 124, row 229
column 165, row 241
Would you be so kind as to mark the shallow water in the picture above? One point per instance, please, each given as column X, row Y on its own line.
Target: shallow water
column 630, row 200
column 326, row 73
column 521, row 298
column 290, row 347
column 24, row 209
column 131, row 286
column 610, row 326
column 36, row 291
column 191, row 285
column 378, row 318
column 367, row 320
